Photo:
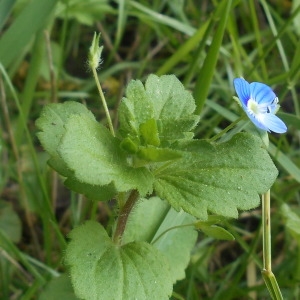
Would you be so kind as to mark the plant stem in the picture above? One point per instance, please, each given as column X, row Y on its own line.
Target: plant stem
column 267, row 273
column 266, row 231
column 123, row 217
column 110, row 125
column 171, row 228
column 217, row 136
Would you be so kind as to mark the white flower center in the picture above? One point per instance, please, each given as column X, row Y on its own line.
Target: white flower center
column 253, row 107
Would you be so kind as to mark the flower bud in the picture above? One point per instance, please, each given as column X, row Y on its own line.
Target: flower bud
column 95, row 52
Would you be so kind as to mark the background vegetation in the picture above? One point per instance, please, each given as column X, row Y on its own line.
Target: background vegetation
column 43, row 54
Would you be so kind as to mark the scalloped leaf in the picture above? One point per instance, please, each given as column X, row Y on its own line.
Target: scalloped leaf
column 92, row 192
column 96, row 158
column 51, row 125
column 219, row 178
column 102, row 270
column 99, row 163
column 163, row 99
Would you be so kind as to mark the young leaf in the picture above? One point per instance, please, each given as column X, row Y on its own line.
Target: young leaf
column 157, row 154
column 215, row 231
column 164, row 100
column 169, row 98
column 149, row 133
column 220, row 178
column 150, row 219
column 134, row 110
column 102, row 270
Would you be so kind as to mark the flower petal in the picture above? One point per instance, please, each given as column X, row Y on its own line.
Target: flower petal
column 258, row 121
column 260, row 104
column 261, row 93
column 242, row 89
column 273, row 123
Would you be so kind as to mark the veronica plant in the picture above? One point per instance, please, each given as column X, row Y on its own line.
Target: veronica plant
column 166, row 184
column 260, row 104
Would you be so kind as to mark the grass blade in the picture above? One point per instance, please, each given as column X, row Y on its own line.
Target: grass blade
column 5, row 9
column 208, row 68
column 17, row 37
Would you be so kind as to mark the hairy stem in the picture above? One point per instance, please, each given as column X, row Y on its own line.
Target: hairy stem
column 123, row 217
column 110, row 125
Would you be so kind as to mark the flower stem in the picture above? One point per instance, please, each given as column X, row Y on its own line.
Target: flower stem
column 110, row 125
column 123, row 216
column 217, row 136
column 267, row 273
column 266, row 231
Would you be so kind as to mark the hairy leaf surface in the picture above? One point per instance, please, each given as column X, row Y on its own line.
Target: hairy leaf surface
column 96, row 158
column 150, row 219
column 102, row 270
column 162, row 99
column 217, row 178
column 51, row 125
column 84, row 152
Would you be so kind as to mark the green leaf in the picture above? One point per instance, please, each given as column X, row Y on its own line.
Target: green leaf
column 157, row 154
column 149, row 132
column 169, row 97
column 135, row 109
column 210, row 228
column 150, row 219
column 10, row 223
column 219, row 178
column 215, row 231
column 176, row 242
column 52, row 128
column 51, row 124
column 94, row 146
column 145, row 219
column 172, row 130
column 102, row 270
column 129, row 145
column 59, row 288
column 163, row 106
column 96, row 158
column 92, row 192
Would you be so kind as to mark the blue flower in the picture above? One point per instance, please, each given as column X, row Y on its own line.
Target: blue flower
column 260, row 104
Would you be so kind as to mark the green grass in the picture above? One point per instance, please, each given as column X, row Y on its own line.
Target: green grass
column 206, row 44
